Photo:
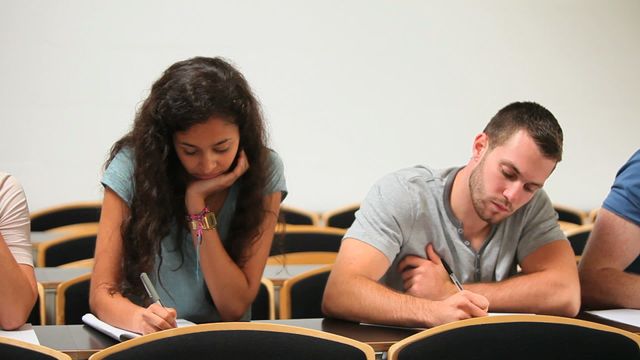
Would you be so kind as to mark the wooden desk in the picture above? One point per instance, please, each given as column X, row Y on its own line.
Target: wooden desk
column 77, row 341
column 279, row 273
column 379, row 337
column 50, row 277
column 81, row 341
column 38, row 237
column 566, row 226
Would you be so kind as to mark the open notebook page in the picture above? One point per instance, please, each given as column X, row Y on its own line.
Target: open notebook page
column 625, row 316
column 24, row 333
column 117, row 333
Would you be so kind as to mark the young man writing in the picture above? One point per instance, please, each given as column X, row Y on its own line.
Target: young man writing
column 484, row 219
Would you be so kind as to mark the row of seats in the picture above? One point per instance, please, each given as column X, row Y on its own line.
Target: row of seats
column 294, row 244
column 521, row 336
column 71, row 247
column 78, row 223
column 293, row 239
column 66, row 217
column 71, row 214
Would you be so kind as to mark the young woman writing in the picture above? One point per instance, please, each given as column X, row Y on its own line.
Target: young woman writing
column 192, row 195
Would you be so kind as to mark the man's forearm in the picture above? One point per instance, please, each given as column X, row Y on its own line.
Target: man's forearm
column 539, row 293
column 610, row 288
column 364, row 300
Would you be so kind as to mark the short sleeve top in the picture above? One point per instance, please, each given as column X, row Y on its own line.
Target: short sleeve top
column 181, row 285
column 15, row 224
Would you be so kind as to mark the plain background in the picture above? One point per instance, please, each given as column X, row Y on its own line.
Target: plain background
column 351, row 90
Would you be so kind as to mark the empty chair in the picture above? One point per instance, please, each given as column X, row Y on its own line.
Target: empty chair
column 65, row 214
column 569, row 217
column 296, row 216
column 264, row 306
column 519, row 337
column 342, row 217
column 66, row 249
column 38, row 313
column 18, row 350
column 72, row 300
column 593, row 214
column 238, row 341
column 301, row 295
column 578, row 237
column 306, row 238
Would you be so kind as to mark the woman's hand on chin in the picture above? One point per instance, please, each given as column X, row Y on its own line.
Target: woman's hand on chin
column 199, row 190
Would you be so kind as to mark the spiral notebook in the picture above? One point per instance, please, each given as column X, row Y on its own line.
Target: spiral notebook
column 116, row 332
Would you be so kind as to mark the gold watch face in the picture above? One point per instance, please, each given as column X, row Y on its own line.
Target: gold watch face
column 209, row 221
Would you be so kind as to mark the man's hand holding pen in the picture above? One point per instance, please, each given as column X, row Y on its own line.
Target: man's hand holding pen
column 426, row 277
column 431, row 278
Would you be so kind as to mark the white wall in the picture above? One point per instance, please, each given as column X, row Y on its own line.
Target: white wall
column 351, row 89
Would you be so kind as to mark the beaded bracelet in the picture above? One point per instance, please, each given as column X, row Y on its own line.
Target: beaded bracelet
column 204, row 220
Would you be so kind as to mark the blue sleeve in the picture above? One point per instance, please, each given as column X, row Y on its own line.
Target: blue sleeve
column 624, row 197
column 275, row 176
column 119, row 175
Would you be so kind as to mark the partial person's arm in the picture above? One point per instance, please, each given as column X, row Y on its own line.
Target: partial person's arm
column 613, row 245
column 232, row 287
column 17, row 290
column 114, row 308
column 353, row 293
column 547, row 284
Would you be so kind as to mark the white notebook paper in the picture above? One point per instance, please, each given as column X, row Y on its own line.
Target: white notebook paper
column 24, row 333
column 625, row 316
column 117, row 333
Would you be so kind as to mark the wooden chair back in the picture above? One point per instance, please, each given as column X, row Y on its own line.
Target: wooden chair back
column 239, row 341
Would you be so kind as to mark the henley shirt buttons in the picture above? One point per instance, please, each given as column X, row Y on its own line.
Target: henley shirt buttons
column 467, row 243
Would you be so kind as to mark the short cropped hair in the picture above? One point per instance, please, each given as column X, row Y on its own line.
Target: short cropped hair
column 537, row 121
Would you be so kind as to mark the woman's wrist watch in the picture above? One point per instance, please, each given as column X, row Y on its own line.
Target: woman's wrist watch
column 203, row 221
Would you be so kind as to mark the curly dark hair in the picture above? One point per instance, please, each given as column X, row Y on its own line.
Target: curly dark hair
column 188, row 93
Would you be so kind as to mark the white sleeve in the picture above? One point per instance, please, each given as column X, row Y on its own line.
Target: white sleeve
column 15, row 225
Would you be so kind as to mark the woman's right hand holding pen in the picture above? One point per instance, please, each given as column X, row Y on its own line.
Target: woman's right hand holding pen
column 155, row 318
